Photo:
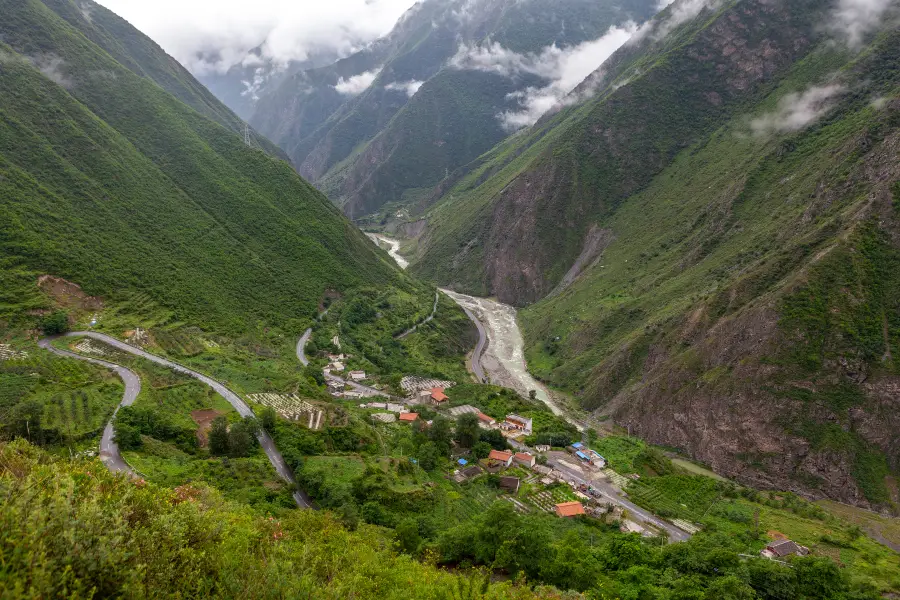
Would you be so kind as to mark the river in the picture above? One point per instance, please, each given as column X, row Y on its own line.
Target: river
column 503, row 361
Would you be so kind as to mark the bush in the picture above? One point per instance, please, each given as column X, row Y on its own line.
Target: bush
column 56, row 323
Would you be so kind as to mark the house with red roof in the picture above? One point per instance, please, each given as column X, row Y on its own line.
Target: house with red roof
column 408, row 417
column 438, row 396
column 524, row 459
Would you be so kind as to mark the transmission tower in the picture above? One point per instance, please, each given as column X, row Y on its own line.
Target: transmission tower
column 247, row 139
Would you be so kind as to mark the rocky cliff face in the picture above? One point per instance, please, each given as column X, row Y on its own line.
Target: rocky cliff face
column 742, row 306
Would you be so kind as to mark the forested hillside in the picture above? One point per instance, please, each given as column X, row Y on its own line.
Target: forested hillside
column 111, row 181
column 381, row 126
column 711, row 243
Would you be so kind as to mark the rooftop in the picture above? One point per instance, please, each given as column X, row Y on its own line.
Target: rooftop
column 409, row 417
column 569, row 509
column 499, row 455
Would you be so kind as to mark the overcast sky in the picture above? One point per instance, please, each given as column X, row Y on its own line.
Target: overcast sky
column 287, row 29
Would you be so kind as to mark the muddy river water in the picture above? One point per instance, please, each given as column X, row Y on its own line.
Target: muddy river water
column 503, row 360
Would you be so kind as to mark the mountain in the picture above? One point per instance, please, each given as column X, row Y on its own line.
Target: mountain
column 376, row 128
column 706, row 248
column 242, row 85
column 118, row 171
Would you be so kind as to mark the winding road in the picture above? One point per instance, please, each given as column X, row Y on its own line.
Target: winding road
column 427, row 319
column 109, row 450
column 265, row 440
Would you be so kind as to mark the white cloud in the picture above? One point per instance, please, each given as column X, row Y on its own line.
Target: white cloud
column 682, row 12
column 797, row 111
column 853, row 19
column 565, row 68
column 214, row 35
column 410, row 87
column 356, row 85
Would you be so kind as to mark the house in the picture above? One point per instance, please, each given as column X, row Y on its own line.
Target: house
column 515, row 422
column 542, row 470
column 469, row 472
column 542, row 448
column 569, row 509
column 576, row 447
column 596, row 459
column 486, row 422
column 336, row 366
column 357, row 375
column 582, row 456
column 408, row 417
column 510, row 484
column 353, row 395
column 498, row 456
column 438, row 396
column 424, row 396
column 524, row 459
column 783, row 548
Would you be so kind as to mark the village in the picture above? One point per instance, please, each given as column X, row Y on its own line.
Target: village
column 574, row 481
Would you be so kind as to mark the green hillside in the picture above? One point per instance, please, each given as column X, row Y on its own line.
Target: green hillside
column 109, row 181
column 713, row 279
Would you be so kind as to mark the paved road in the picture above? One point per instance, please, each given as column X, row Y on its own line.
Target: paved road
column 268, row 445
column 427, row 319
column 301, row 347
column 109, row 450
column 479, row 347
column 612, row 494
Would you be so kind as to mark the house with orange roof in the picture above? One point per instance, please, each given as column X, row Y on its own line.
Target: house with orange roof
column 438, row 396
column 408, row 417
column 569, row 509
column 499, row 456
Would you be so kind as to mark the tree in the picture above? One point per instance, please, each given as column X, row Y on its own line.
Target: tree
column 128, row 437
column 494, row 439
column 407, row 535
column 56, row 323
column 428, row 456
column 729, row 588
column 481, row 450
column 467, row 430
column 314, row 374
column 441, row 435
column 268, row 419
column 532, row 394
column 218, row 437
column 240, row 440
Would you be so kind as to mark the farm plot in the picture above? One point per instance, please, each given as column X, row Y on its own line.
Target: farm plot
column 7, row 352
column 413, row 384
column 547, row 499
column 89, row 346
column 292, row 407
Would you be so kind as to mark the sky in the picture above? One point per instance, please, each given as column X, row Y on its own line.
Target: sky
column 224, row 31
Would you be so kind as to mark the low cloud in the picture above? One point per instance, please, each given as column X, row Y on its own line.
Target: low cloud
column 410, row 87
column 356, row 85
column 852, row 20
column 214, row 35
column 563, row 68
column 51, row 66
column 797, row 111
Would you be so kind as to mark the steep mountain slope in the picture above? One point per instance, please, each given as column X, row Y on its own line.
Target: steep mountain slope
column 713, row 243
column 417, row 110
column 110, row 181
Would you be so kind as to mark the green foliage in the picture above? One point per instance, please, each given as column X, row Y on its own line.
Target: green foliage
column 140, row 420
column 481, row 450
column 235, row 236
column 56, row 323
column 149, row 541
column 467, row 430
